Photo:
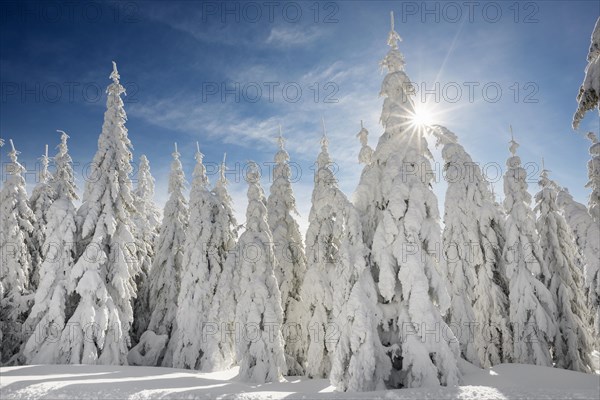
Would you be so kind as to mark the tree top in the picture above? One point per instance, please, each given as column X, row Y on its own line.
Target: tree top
column 114, row 75
column 393, row 37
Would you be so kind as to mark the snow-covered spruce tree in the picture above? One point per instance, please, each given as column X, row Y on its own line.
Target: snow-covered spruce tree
column 165, row 276
column 218, row 347
column 16, row 224
column 472, row 247
column 321, row 334
column 258, row 313
column 587, row 237
column 588, row 97
column 370, row 177
column 202, row 264
column 594, row 177
column 592, row 266
column 289, row 252
column 147, row 222
column 532, row 310
column 586, row 228
column 41, row 199
column 339, row 287
column 366, row 152
column 572, row 344
column 103, row 275
column 49, row 313
column 196, row 290
column 402, row 231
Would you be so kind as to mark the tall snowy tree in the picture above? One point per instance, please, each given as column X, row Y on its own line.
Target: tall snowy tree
column 41, row 199
column 322, row 243
column 258, row 313
column 572, row 345
column 196, row 290
column 585, row 224
column 289, row 252
column 218, row 346
column 165, row 276
column 103, row 275
column 147, row 223
column 366, row 152
column 401, row 229
column 206, row 245
column 532, row 308
column 16, row 224
column 472, row 247
column 49, row 313
column 594, row 177
column 587, row 237
column 592, row 269
column 339, row 286
column 370, row 174
column 588, row 97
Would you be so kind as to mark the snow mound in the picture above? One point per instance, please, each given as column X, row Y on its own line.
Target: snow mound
column 149, row 350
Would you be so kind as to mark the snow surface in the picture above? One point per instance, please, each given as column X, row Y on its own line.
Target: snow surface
column 504, row 381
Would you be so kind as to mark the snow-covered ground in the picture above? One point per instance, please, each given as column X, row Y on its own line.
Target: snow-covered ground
column 506, row 381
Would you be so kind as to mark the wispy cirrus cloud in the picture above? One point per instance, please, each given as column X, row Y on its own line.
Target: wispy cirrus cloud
column 288, row 36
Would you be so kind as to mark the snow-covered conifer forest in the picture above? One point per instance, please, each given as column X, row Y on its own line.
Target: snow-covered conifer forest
column 383, row 294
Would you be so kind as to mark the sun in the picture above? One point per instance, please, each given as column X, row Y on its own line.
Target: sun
column 423, row 116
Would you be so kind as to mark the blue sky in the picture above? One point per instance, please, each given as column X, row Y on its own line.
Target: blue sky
column 180, row 62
